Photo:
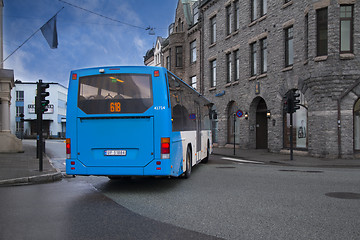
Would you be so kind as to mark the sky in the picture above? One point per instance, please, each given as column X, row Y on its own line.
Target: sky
column 85, row 39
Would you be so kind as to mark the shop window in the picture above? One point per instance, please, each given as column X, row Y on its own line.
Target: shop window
column 300, row 122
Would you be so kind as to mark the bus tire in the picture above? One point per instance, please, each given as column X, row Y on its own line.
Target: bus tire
column 188, row 164
column 206, row 159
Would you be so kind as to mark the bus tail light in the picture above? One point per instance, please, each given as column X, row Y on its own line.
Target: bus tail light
column 165, row 148
column 74, row 76
column 156, row 73
column 68, row 148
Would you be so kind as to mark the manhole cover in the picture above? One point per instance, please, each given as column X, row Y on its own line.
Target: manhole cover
column 343, row 195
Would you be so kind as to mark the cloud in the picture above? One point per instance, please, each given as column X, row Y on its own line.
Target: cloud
column 85, row 39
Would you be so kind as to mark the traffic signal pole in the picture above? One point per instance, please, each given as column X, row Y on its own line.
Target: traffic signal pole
column 292, row 104
column 39, row 127
column 40, row 107
column 291, row 137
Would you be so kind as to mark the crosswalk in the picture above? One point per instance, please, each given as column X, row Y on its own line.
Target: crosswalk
column 241, row 161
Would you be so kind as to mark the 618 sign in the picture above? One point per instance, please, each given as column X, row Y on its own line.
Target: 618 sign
column 115, row 107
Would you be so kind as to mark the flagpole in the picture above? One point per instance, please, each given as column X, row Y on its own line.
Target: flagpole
column 2, row 61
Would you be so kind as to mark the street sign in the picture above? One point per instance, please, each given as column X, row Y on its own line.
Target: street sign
column 239, row 113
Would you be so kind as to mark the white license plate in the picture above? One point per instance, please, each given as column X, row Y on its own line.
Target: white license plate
column 115, row 153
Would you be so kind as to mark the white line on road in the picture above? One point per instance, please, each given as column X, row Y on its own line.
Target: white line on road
column 240, row 160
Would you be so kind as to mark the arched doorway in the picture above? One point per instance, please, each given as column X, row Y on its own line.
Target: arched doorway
column 261, row 125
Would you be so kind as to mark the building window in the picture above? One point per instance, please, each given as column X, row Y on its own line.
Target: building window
column 19, row 110
column 19, row 96
column 237, row 65
column 263, row 7
column 171, row 28
column 322, row 31
column 306, row 42
column 300, row 134
column 19, row 129
column 229, row 20
column 237, row 16
column 253, row 59
column 193, row 82
column 228, row 68
column 289, row 47
column 193, row 51
column 213, row 73
column 213, row 30
column 179, row 58
column 195, row 12
column 346, row 28
column 168, row 63
column 263, row 46
column 253, row 10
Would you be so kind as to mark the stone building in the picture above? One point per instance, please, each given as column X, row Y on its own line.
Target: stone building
column 149, row 58
column 180, row 51
column 256, row 51
column 8, row 141
column 250, row 54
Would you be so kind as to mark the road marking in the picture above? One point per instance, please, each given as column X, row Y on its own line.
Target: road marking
column 240, row 160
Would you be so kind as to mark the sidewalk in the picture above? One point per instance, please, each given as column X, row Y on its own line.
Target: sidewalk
column 266, row 157
column 23, row 168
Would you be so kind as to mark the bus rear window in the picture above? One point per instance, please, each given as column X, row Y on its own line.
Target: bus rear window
column 115, row 93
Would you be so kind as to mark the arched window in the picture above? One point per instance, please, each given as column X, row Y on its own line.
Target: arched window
column 357, row 126
column 300, row 134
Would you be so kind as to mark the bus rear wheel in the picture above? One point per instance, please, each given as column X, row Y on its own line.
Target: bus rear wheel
column 206, row 159
column 188, row 164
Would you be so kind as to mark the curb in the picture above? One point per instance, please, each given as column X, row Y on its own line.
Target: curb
column 38, row 179
column 290, row 163
column 45, row 178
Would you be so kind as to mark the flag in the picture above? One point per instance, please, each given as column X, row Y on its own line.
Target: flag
column 49, row 32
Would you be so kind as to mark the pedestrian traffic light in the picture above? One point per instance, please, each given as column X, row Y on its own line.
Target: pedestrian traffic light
column 42, row 94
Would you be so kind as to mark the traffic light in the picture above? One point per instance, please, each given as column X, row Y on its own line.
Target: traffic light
column 42, row 94
column 291, row 101
column 286, row 103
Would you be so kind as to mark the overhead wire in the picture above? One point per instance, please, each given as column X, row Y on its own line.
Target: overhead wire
column 103, row 16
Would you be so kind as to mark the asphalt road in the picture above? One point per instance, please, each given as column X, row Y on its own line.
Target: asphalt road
column 224, row 199
column 247, row 201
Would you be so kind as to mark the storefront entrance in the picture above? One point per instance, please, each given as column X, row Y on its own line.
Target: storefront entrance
column 261, row 125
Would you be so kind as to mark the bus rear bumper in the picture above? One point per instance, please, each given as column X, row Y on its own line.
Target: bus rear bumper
column 154, row 168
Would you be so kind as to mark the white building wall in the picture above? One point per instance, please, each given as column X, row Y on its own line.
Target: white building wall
column 56, row 117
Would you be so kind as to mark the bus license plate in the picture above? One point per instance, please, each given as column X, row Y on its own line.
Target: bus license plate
column 115, row 152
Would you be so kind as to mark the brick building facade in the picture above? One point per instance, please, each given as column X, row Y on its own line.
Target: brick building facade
column 251, row 53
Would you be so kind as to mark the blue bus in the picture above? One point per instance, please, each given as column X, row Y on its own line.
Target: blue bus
column 135, row 121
